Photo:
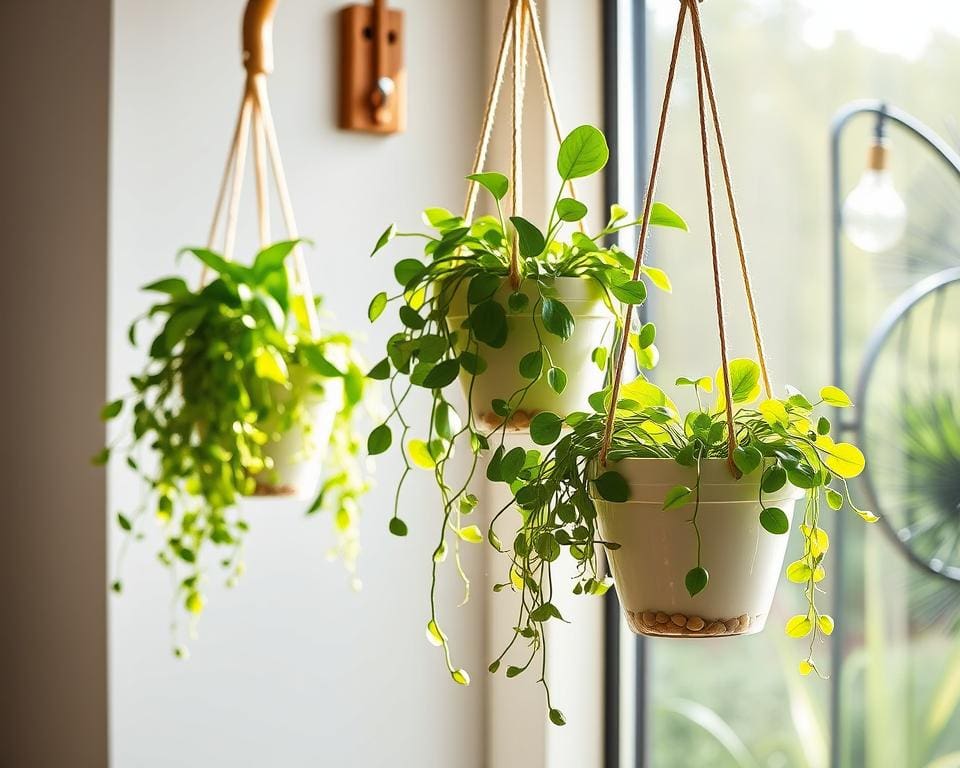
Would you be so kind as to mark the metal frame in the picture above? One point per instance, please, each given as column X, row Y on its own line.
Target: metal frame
column 913, row 127
column 612, row 19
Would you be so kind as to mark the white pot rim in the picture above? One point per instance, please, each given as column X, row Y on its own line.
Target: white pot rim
column 650, row 479
column 582, row 295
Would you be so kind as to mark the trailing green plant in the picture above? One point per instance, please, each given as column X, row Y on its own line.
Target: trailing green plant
column 554, row 491
column 471, row 262
column 233, row 369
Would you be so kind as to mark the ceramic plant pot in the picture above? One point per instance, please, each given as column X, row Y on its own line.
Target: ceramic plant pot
column 298, row 455
column 658, row 548
column 502, row 378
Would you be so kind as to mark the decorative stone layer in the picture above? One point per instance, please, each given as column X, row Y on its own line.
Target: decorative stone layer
column 518, row 421
column 267, row 489
column 681, row 625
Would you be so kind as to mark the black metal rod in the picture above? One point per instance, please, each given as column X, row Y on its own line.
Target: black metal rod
column 611, row 182
column 925, row 135
column 640, row 137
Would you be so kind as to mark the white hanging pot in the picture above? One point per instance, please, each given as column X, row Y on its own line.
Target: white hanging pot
column 658, row 548
column 297, row 457
column 502, row 378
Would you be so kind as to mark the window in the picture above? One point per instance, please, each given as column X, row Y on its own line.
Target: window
column 782, row 69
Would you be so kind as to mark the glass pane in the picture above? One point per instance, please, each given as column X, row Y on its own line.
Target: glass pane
column 782, row 69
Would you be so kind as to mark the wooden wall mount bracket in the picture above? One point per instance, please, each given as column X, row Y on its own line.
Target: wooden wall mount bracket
column 373, row 77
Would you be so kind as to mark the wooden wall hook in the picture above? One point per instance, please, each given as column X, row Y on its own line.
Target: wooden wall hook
column 373, row 88
column 258, row 36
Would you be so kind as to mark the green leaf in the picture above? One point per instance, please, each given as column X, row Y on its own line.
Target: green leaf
column 774, row 520
column 511, row 464
column 489, row 323
column 545, row 428
column 124, row 522
column 482, row 287
column 836, row 397
column 269, row 364
column 319, row 364
column 677, row 497
column 411, row 318
column 174, row 286
column 442, row 374
column 630, row 292
column 547, row 547
column 663, row 216
column 557, row 718
column 531, row 365
column 397, row 527
column 612, row 486
column 472, row 364
column 271, row 259
column 518, row 301
column 407, row 271
column 582, row 153
column 101, row 457
column 111, row 410
column 557, row 318
column 377, row 306
column 557, row 379
column 381, row 371
column 385, row 238
column 647, row 335
column 495, row 183
column 773, row 479
column 747, row 458
column 834, row 499
column 182, row 323
column 569, row 209
column 696, row 580
column 532, row 242
column 599, row 357
column 379, row 440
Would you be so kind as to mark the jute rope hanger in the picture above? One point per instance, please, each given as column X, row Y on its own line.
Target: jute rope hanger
column 705, row 92
column 255, row 112
column 522, row 23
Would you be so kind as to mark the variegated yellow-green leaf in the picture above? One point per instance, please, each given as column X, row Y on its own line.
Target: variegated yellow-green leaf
column 774, row 412
column 843, row 459
column 818, row 539
column 798, row 572
column 434, row 635
column 799, row 626
column 270, row 365
column 460, row 676
column 868, row 517
column 419, row 454
column 836, row 397
column 826, row 624
column 659, row 278
column 806, row 667
column 471, row 534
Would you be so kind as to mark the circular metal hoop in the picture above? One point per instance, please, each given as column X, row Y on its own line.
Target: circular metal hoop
column 924, row 359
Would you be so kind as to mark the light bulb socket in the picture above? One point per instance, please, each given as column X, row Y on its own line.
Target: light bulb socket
column 878, row 156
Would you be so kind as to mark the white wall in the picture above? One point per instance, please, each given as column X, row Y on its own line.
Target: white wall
column 292, row 668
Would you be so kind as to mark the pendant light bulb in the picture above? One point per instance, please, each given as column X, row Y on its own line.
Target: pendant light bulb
column 874, row 214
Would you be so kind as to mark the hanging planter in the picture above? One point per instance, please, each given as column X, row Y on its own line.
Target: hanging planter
column 508, row 308
column 692, row 509
column 244, row 393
